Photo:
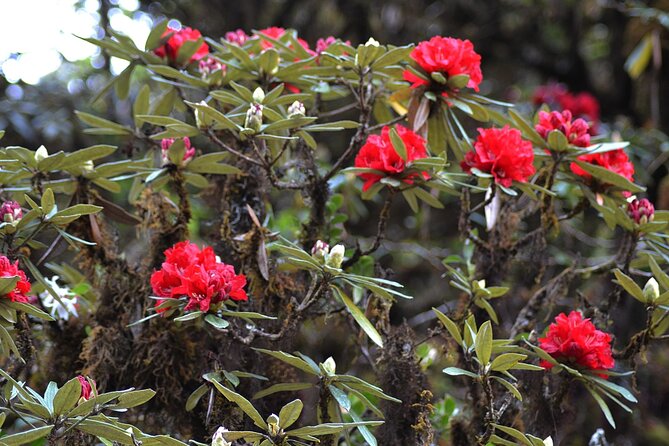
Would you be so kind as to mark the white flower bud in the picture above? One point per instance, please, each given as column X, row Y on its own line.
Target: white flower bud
column 273, row 425
column 218, row 439
column 296, row 109
column 372, row 42
column 336, row 256
column 254, row 117
column 652, row 290
column 41, row 153
column 258, row 95
column 330, row 366
column 320, row 250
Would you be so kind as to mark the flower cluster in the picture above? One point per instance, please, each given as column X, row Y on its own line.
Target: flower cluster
column 576, row 131
column 641, row 211
column 197, row 275
column 581, row 105
column 577, row 341
column 448, row 57
column 86, row 388
column 331, row 257
column 276, row 32
column 11, row 211
column 502, row 153
column 614, row 160
column 9, row 269
column 165, row 145
column 209, row 65
column 379, row 154
column 238, row 37
column 177, row 38
column 68, row 300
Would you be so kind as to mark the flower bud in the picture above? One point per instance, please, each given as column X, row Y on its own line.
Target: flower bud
column 296, row 109
column 258, row 95
column 210, row 65
column 254, row 117
column 330, row 366
column 336, row 256
column 641, row 211
column 372, row 42
column 218, row 439
column 11, row 211
column 88, row 390
column 41, row 153
column 651, row 291
column 273, row 425
column 166, row 147
column 320, row 250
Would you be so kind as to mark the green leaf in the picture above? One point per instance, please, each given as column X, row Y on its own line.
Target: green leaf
column 67, row 397
column 289, row 359
column 456, row 371
column 281, row 387
column 27, row 436
column 105, row 430
column 341, row 397
column 216, row 321
column 506, row 361
column 398, row 144
column 602, row 405
column 359, row 317
column 195, row 397
column 290, row 413
column 629, row 285
column 606, row 176
column 244, row 404
column 156, row 35
column 134, row 398
column 510, row 387
column 48, row 201
column 450, row 326
column 518, row 435
column 483, row 343
column 7, row 284
column 660, row 275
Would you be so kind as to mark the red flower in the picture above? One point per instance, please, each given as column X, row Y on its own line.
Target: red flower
column 9, row 269
column 576, row 131
column 165, row 145
column 378, row 153
column 641, row 211
column 197, row 275
column 171, row 48
column 276, row 32
column 577, row 341
column 238, row 36
column 86, row 388
column 614, row 160
column 448, row 56
column 582, row 105
column 502, row 153
column 10, row 211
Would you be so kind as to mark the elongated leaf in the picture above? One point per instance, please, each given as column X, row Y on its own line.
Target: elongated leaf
column 290, row 413
column 629, row 285
column 244, row 404
column 483, row 343
column 602, row 405
column 450, row 326
column 67, row 397
column 289, row 359
column 27, row 436
column 359, row 317
column 282, row 387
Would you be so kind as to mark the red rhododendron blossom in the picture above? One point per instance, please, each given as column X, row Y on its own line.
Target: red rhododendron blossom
column 9, row 269
column 178, row 37
column 501, row 153
column 165, row 145
column 641, row 211
column 576, row 341
column 581, row 105
column 10, row 211
column 198, row 275
column 614, row 160
column 576, row 131
column 86, row 388
column 448, row 56
column 379, row 154
column 276, row 33
column 238, row 36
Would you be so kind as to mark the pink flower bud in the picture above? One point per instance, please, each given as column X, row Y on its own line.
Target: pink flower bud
column 165, row 145
column 11, row 211
column 320, row 250
column 210, row 65
column 641, row 211
column 86, row 389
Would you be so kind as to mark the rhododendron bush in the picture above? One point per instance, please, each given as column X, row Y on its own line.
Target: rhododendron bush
column 219, row 268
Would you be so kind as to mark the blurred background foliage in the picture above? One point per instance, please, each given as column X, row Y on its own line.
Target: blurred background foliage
column 616, row 50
